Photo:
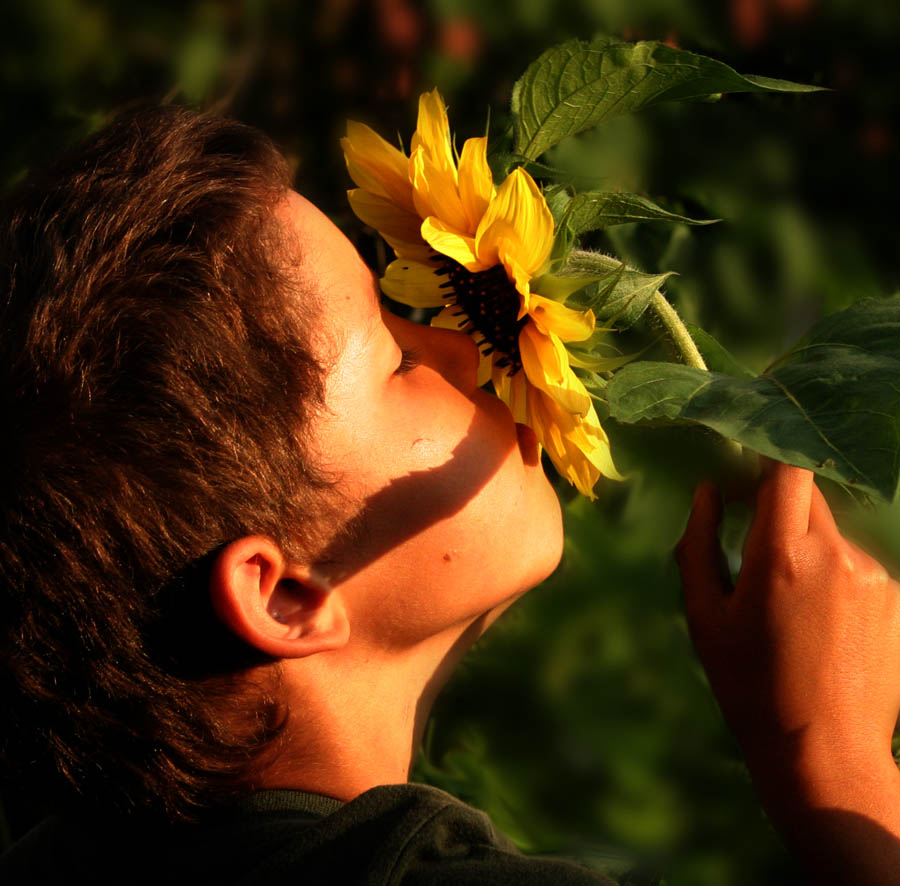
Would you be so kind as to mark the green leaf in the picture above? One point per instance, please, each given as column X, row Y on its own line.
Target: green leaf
column 600, row 209
column 563, row 242
column 832, row 403
column 622, row 294
column 577, row 85
column 716, row 357
column 630, row 297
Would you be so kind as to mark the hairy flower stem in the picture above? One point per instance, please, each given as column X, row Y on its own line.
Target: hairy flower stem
column 680, row 342
column 678, row 338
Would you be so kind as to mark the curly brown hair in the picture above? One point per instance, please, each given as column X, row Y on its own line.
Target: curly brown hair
column 155, row 382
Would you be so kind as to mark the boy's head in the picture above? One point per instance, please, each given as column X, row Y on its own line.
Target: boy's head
column 155, row 388
column 222, row 459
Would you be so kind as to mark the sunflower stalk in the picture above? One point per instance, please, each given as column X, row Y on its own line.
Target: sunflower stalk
column 678, row 339
column 683, row 346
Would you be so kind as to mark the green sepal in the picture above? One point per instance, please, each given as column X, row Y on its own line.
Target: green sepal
column 563, row 242
column 622, row 294
column 559, row 202
column 559, row 288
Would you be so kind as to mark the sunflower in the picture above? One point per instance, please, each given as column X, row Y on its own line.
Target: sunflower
column 475, row 250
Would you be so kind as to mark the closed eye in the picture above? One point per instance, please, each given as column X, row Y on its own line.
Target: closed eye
column 409, row 360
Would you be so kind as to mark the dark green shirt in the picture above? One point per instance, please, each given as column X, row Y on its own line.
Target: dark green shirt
column 402, row 835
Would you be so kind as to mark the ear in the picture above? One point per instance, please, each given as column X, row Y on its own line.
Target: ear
column 275, row 606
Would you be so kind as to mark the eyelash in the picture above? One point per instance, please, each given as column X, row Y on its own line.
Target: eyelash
column 409, row 360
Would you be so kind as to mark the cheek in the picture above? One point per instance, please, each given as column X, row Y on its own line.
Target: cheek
column 429, row 451
column 452, row 521
column 438, row 438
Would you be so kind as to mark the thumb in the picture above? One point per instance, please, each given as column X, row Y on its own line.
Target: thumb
column 705, row 578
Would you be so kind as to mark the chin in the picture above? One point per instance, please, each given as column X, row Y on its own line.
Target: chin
column 554, row 557
column 548, row 535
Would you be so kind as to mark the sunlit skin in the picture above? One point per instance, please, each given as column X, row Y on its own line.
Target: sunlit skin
column 802, row 654
column 458, row 520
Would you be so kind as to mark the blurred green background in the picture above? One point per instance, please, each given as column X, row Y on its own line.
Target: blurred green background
column 582, row 723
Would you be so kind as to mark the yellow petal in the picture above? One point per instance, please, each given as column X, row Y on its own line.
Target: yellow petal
column 512, row 390
column 519, row 219
column 377, row 165
column 450, row 318
column 501, row 381
column 485, row 369
column 451, row 242
column 413, row 283
column 586, row 440
column 435, row 191
column 433, row 133
column 551, row 316
column 412, row 252
column 518, row 276
column 578, row 447
column 597, row 450
column 546, row 364
column 432, row 169
column 518, row 397
column 398, row 226
column 550, row 427
column 476, row 184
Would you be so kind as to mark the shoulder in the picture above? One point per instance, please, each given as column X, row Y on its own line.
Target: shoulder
column 392, row 835
column 427, row 837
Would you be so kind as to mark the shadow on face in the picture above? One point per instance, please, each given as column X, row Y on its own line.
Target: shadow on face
column 410, row 504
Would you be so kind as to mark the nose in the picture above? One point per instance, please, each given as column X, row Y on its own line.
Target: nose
column 453, row 354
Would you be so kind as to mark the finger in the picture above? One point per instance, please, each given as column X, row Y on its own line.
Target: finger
column 820, row 517
column 783, row 502
column 705, row 580
column 868, row 569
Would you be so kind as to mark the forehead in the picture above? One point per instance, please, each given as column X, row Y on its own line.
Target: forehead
column 328, row 258
column 345, row 286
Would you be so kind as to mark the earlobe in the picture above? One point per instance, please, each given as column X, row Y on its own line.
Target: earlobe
column 273, row 605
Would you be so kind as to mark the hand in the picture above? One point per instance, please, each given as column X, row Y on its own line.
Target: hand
column 804, row 653
column 803, row 656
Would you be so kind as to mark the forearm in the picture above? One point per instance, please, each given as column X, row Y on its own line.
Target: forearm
column 839, row 815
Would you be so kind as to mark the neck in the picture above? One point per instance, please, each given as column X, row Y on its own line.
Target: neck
column 357, row 715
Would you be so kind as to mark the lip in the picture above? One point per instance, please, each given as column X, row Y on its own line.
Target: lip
column 528, row 445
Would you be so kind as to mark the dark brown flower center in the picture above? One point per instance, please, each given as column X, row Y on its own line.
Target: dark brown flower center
column 490, row 303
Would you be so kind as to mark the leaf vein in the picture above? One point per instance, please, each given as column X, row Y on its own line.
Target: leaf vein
column 784, row 389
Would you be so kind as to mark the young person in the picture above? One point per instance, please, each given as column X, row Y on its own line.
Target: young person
column 250, row 522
